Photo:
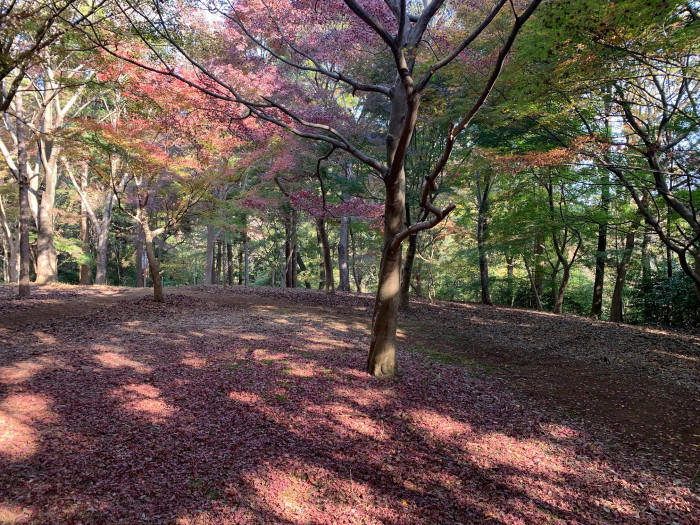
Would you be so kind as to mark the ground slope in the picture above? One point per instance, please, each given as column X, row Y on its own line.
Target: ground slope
column 250, row 406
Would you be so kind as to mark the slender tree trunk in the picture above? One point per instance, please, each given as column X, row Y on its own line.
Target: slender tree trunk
column 209, row 255
column 139, row 257
column 601, row 251
column 418, row 287
column 646, row 257
column 295, row 249
column 117, row 264
column 481, row 226
column 46, row 260
column 328, row 283
column 321, row 267
column 240, row 268
column 407, row 270
column 217, row 265
column 5, row 262
column 382, row 353
column 355, row 274
column 539, row 264
column 102, row 252
column 229, row 258
column 85, row 276
column 510, row 264
column 343, row 267
column 24, row 210
column 290, row 249
column 153, row 266
column 697, row 270
column 559, row 302
column 616, row 314
column 533, row 283
column 10, row 237
column 246, row 255
column 302, row 268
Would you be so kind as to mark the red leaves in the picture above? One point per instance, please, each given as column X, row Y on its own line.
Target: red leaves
column 251, row 406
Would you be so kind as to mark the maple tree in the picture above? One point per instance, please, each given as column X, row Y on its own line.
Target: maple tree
column 399, row 31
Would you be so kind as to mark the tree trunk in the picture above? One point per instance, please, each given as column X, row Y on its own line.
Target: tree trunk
column 321, row 267
column 217, row 265
column 382, row 352
column 240, row 267
column 24, row 253
column 290, row 249
column 24, row 210
column 5, row 261
column 327, row 273
column 153, row 263
column 102, row 250
column 355, row 274
column 616, row 314
column 46, row 260
column 209, row 255
column 559, row 301
column 302, row 268
column 646, row 257
column 407, row 270
column 697, row 270
column 539, row 264
column 229, row 258
column 10, row 237
column 481, row 226
column 117, row 264
column 140, row 282
column 154, row 267
column 85, row 276
column 344, row 284
column 601, row 255
column 533, row 284
column 510, row 263
column 382, row 356
column 246, row 255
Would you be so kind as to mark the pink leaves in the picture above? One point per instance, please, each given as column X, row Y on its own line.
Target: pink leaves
column 356, row 207
column 250, row 405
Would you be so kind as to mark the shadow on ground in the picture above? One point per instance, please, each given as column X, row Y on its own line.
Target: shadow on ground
column 234, row 407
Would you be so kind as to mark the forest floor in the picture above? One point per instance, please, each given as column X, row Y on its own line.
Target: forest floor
column 251, row 406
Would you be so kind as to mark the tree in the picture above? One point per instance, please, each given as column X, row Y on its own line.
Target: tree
column 399, row 31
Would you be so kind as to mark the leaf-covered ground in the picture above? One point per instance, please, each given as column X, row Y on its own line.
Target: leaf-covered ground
column 251, row 406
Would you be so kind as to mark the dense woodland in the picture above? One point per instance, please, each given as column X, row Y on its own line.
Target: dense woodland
column 531, row 154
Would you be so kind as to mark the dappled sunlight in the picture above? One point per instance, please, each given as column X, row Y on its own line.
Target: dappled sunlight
column 343, row 420
column 437, row 426
column 494, row 449
column 691, row 358
column 262, row 354
column 115, row 360
column 369, row 396
column 246, row 398
column 234, row 420
column 303, row 370
column 19, row 414
column 252, row 337
column 302, row 493
column 44, row 338
column 24, row 370
column 11, row 514
column 144, row 400
column 191, row 359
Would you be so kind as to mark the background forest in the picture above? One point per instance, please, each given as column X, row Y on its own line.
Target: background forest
column 575, row 187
